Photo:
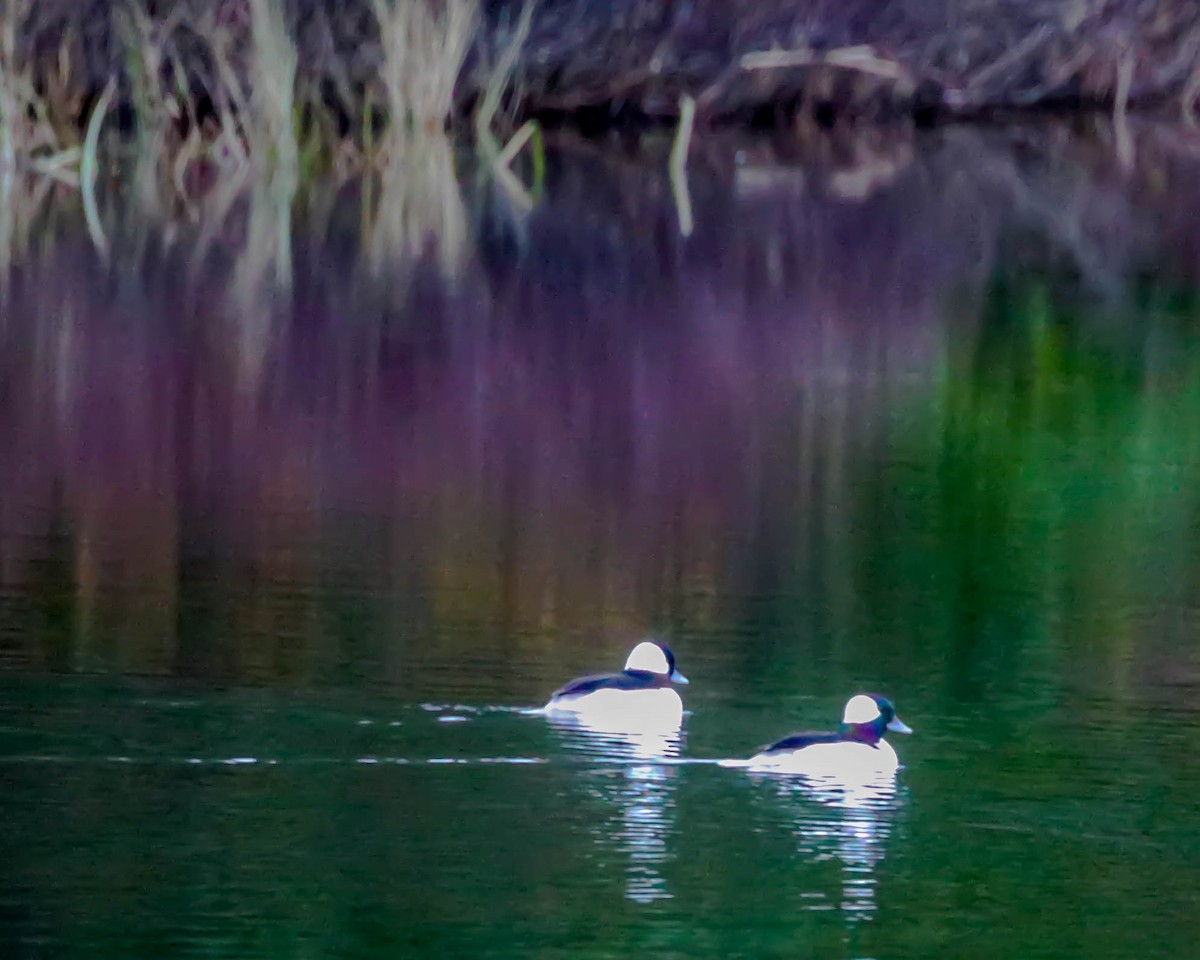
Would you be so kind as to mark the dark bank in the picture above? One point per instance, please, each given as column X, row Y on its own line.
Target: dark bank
column 621, row 61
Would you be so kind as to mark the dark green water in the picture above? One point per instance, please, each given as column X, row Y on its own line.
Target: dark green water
column 268, row 620
column 151, row 819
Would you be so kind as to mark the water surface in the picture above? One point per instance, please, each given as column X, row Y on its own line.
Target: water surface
column 289, row 541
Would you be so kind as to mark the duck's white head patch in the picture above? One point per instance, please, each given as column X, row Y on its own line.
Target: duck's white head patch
column 650, row 657
column 861, row 709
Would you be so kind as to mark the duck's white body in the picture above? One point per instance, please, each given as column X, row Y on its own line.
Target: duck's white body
column 856, row 753
column 654, row 709
column 639, row 698
column 843, row 761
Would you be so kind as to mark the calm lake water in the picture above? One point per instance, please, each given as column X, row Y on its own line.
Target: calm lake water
column 292, row 532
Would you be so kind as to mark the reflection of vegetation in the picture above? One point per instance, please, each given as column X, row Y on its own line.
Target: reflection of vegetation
column 21, row 202
column 591, row 471
column 213, row 91
column 420, row 207
column 1048, row 486
column 263, row 270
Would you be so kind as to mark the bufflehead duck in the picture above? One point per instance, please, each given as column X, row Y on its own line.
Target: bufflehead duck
column 640, row 695
column 856, row 750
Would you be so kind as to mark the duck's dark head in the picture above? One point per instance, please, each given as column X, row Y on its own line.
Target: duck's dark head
column 868, row 717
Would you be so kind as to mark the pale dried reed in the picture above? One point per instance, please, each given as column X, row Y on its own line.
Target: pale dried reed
column 424, row 45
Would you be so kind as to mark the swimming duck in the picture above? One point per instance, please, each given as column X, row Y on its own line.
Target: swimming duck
column 641, row 694
column 857, row 749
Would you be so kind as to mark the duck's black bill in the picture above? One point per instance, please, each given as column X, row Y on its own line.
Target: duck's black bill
column 678, row 677
column 899, row 726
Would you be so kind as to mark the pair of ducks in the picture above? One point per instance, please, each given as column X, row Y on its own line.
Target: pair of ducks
column 641, row 696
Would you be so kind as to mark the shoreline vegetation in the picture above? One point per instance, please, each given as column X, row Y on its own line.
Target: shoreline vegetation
column 203, row 104
column 260, row 75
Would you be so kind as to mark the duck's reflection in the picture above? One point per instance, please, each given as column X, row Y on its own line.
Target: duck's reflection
column 846, row 821
column 634, row 775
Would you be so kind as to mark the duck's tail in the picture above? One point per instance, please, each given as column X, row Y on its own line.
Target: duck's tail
column 736, row 763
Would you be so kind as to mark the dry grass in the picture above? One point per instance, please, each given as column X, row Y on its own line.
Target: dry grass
column 207, row 87
column 31, row 159
column 11, row 98
column 273, row 84
column 259, row 124
column 500, row 76
column 420, row 210
column 223, row 122
column 677, row 167
column 26, row 134
column 424, row 45
column 497, row 81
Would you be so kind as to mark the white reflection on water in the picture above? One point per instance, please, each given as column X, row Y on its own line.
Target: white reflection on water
column 847, row 821
column 638, row 779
